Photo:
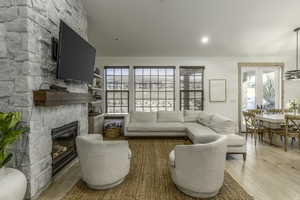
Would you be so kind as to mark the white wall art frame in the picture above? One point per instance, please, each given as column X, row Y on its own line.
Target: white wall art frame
column 217, row 90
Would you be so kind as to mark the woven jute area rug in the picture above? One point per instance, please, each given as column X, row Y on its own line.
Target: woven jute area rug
column 150, row 179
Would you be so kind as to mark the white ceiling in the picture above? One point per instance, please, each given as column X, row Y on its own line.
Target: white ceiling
column 175, row 27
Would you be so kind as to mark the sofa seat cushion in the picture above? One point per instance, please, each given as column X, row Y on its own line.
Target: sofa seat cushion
column 154, row 127
column 198, row 133
column 235, row 140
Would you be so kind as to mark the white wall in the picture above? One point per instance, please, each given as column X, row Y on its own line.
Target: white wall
column 215, row 67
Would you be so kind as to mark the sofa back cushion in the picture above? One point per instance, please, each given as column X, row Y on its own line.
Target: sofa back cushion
column 204, row 118
column 222, row 125
column 169, row 116
column 149, row 117
column 191, row 116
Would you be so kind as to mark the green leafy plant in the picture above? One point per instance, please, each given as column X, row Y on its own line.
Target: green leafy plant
column 10, row 130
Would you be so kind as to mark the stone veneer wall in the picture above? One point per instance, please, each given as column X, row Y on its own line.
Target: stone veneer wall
column 26, row 28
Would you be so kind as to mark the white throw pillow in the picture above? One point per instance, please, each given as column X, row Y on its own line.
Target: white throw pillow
column 205, row 118
column 169, row 116
column 222, row 125
column 191, row 116
column 149, row 117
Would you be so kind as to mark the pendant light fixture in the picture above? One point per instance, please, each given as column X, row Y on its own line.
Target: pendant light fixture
column 295, row 74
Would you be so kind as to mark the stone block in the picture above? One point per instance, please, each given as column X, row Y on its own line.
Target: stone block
column 40, row 6
column 8, row 14
column 38, row 18
column 39, row 147
column 3, row 49
column 24, row 3
column 53, row 13
column 6, row 3
column 22, row 84
column 3, row 103
column 30, row 69
column 18, row 25
column 6, row 88
column 21, row 100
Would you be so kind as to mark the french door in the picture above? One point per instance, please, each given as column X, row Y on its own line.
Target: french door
column 260, row 87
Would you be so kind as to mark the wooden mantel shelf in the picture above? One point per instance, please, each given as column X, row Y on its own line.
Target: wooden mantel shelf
column 56, row 98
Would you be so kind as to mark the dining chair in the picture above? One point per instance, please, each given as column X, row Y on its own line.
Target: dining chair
column 291, row 129
column 252, row 126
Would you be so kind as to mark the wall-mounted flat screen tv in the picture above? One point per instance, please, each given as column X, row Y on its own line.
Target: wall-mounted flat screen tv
column 76, row 57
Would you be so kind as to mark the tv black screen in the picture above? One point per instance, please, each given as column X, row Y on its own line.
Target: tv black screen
column 76, row 57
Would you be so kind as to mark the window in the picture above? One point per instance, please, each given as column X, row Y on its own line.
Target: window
column 191, row 88
column 154, row 88
column 117, row 92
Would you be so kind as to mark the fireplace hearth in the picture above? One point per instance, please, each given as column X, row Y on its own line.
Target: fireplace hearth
column 63, row 146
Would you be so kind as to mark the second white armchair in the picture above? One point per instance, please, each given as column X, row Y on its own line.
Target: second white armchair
column 104, row 164
column 198, row 170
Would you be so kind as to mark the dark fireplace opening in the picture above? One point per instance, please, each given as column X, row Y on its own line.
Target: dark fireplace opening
column 63, row 146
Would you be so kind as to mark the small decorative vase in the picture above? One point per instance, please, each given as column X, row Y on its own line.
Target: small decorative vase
column 12, row 184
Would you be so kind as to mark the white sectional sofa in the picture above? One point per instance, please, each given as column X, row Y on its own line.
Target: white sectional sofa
column 196, row 125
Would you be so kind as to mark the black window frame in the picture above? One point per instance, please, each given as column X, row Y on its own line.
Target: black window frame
column 182, row 91
column 121, row 91
column 165, row 99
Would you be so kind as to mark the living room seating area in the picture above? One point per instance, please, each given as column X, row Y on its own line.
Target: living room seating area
column 195, row 125
column 149, row 100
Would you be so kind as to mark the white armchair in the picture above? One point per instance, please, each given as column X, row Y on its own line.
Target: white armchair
column 198, row 169
column 104, row 164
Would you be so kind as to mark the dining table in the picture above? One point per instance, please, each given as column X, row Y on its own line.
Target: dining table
column 269, row 121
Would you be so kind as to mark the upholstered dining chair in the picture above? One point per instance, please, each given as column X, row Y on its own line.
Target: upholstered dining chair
column 198, row 170
column 104, row 164
column 291, row 129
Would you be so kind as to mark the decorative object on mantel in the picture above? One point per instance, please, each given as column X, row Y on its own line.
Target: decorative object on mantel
column 217, row 90
column 54, row 98
column 12, row 182
column 295, row 74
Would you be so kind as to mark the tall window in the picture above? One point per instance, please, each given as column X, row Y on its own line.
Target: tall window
column 191, row 88
column 154, row 88
column 117, row 93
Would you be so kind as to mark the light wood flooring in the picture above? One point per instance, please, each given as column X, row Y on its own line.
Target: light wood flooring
column 268, row 174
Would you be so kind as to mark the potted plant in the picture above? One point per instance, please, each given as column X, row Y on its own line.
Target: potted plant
column 12, row 181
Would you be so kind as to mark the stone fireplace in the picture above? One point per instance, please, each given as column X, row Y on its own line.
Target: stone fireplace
column 26, row 64
column 63, row 146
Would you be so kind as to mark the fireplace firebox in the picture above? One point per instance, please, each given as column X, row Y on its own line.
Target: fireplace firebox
column 63, row 146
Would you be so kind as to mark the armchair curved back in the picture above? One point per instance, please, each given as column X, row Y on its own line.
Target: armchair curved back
column 205, row 162
column 102, row 162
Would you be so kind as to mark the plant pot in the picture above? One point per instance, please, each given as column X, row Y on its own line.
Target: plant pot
column 12, row 184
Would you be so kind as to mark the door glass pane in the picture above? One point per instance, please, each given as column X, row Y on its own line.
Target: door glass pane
column 269, row 90
column 248, row 90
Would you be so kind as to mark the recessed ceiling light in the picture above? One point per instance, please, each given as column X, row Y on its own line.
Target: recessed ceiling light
column 204, row 40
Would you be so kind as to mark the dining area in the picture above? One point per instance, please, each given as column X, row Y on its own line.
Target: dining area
column 276, row 127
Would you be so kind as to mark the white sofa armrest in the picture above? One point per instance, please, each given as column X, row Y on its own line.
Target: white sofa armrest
column 172, row 159
column 126, row 122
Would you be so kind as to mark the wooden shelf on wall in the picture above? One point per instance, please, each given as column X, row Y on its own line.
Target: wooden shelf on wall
column 56, row 98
